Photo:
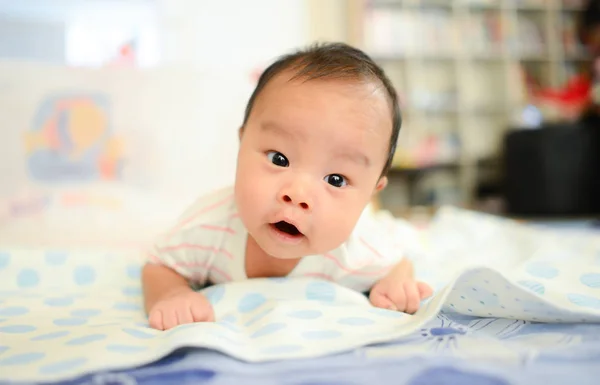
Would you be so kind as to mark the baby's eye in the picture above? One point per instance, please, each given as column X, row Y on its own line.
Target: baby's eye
column 336, row 180
column 278, row 159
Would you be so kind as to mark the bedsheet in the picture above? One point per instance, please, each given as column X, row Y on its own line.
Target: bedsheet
column 68, row 314
column 451, row 349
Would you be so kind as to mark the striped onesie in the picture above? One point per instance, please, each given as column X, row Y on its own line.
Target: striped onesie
column 208, row 245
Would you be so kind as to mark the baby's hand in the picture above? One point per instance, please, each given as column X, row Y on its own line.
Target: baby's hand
column 181, row 307
column 399, row 294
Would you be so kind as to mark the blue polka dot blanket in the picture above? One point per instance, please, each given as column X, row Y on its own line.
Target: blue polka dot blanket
column 64, row 314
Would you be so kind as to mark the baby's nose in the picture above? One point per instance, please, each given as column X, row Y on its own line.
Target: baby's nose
column 303, row 203
column 298, row 193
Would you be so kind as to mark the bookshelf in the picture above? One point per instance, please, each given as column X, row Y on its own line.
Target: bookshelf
column 458, row 66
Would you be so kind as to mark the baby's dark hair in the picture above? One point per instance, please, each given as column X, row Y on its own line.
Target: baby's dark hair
column 333, row 61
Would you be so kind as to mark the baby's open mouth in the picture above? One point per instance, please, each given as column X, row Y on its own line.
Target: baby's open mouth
column 287, row 228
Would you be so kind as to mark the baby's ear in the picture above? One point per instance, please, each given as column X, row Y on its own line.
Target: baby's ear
column 383, row 181
column 240, row 132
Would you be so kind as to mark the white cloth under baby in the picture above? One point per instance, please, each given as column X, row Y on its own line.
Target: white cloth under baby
column 64, row 314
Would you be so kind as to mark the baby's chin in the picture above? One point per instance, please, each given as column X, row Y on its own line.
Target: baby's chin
column 291, row 253
column 285, row 253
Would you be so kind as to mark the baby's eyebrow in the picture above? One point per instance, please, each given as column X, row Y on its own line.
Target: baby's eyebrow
column 277, row 129
column 354, row 156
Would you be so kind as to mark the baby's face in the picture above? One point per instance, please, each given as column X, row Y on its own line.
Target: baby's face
column 310, row 159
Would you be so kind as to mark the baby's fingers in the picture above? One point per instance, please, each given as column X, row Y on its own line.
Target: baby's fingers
column 381, row 301
column 412, row 297
column 169, row 318
column 155, row 320
column 203, row 313
column 184, row 315
column 425, row 291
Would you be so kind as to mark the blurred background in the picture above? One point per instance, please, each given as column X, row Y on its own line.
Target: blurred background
column 116, row 114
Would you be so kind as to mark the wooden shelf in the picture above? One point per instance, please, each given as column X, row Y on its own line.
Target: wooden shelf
column 480, row 57
column 465, row 67
column 425, row 169
column 449, row 5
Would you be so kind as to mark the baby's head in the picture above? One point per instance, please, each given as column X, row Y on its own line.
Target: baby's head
column 318, row 138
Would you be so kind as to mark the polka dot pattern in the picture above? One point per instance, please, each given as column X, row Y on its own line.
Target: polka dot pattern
column 306, row 314
column 17, row 329
column 215, row 294
column 230, row 318
column 134, row 272
column 320, row 291
column 4, row 260
column 138, row 333
column 22, row 359
column 125, row 306
column 591, row 280
column 542, row 270
column 85, row 313
column 56, row 258
column 258, row 317
column 268, row 319
column 268, row 330
column 85, row 340
column 28, row 278
column 84, row 275
column 584, row 301
column 51, row 336
column 251, row 302
column 230, row 326
column 13, row 311
column 59, row 302
column 69, row 321
column 132, row 291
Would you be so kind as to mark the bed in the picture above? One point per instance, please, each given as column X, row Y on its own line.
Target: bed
column 513, row 325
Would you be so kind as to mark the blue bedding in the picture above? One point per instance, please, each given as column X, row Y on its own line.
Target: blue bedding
column 451, row 350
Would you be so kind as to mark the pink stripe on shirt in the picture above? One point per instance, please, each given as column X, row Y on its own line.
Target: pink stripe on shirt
column 154, row 259
column 203, row 265
column 371, row 248
column 202, row 211
column 326, row 277
column 219, row 228
column 191, row 265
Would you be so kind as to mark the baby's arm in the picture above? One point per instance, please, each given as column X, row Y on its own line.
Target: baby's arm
column 170, row 301
column 382, row 245
column 158, row 282
column 183, row 254
column 399, row 290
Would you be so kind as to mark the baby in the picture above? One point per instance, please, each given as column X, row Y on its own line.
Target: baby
column 318, row 138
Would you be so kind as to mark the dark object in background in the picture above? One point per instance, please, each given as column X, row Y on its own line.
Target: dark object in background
column 553, row 171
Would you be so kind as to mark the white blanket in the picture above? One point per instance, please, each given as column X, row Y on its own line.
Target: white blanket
column 64, row 314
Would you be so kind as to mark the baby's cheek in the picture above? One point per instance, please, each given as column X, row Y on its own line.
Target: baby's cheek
column 336, row 228
column 243, row 197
